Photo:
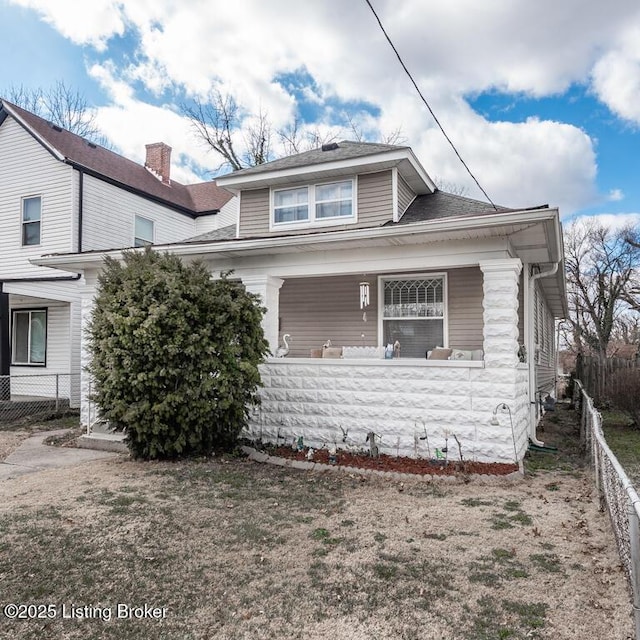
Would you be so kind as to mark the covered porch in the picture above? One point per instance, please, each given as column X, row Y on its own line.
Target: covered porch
column 413, row 403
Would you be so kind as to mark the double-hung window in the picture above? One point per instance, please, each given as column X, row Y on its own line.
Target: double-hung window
column 143, row 234
column 31, row 219
column 414, row 313
column 327, row 203
column 29, row 339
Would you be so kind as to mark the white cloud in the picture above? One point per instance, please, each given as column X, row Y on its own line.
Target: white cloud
column 91, row 23
column 615, row 195
column 613, row 221
column 616, row 76
column 453, row 48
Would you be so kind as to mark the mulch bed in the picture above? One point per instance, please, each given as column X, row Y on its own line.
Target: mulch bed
column 399, row 464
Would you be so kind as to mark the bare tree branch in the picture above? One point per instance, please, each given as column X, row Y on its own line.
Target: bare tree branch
column 601, row 270
column 62, row 105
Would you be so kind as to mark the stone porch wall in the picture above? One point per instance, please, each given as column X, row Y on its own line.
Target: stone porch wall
column 397, row 400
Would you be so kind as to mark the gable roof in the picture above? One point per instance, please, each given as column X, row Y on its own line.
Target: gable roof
column 330, row 160
column 194, row 200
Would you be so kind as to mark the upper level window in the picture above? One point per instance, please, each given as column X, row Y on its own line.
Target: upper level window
column 143, row 232
column 314, row 204
column 414, row 313
column 31, row 218
column 29, row 343
column 291, row 205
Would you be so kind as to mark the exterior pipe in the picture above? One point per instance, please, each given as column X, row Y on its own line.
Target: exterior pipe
column 80, row 207
column 533, row 413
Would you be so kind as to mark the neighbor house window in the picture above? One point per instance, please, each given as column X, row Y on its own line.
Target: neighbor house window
column 31, row 218
column 414, row 313
column 316, row 203
column 143, row 232
column 29, row 344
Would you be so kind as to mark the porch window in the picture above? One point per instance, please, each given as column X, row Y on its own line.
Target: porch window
column 326, row 203
column 413, row 313
column 31, row 218
column 29, row 337
column 143, row 232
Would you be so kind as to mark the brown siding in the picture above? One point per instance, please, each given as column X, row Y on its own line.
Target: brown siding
column 374, row 204
column 405, row 196
column 465, row 308
column 521, row 339
column 254, row 213
column 375, row 199
column 313, row 310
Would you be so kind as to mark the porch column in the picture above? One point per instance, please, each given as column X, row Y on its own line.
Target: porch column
column 500, row 303
column 268, row 288
column 88, row 412
column 5, row 347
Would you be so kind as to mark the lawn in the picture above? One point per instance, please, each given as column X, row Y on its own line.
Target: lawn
column 624, row 440
column 231, row 549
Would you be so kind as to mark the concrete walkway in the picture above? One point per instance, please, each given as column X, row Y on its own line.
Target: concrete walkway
column 33, row 456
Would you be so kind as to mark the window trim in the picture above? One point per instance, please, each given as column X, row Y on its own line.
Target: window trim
column 312, row 221
column 146, row 243
column 415, row 276
column 23, row 223
column 29, row 310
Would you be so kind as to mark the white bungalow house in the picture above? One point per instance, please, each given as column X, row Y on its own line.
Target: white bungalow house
column 62, row 193
column 354, row 244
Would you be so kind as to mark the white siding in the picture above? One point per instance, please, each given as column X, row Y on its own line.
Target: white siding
column 227, row 216
column 39, row 381
column 28, row 169
column 108, row 217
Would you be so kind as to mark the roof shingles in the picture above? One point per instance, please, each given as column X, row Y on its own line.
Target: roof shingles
column 195, row 199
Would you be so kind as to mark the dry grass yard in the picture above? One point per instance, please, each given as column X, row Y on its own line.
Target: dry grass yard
column 234, row 549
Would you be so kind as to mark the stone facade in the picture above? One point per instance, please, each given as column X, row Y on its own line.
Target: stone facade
column 397, row 400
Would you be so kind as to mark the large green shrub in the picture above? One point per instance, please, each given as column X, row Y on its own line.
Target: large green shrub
column 175, row 354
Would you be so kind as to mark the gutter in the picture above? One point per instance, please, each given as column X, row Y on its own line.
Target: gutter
column 77, row 276
column 533, row 403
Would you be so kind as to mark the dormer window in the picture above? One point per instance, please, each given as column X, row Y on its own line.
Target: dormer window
column 315, row 204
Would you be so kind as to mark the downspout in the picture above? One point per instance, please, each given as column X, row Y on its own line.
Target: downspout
column 5, row 346
column 80, row 208
column 533, row 402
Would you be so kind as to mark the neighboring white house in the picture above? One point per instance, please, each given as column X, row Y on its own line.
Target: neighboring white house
column 62, row 193
column 353, row 244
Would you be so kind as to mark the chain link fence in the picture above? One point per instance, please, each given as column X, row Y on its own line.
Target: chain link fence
column 37, row 395
column 615, row 491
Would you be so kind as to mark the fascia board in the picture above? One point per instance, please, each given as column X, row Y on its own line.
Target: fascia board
column 397, row 156
column 91, row 259
column 45, row 143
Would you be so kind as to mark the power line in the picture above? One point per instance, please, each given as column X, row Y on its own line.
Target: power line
column 433, row 115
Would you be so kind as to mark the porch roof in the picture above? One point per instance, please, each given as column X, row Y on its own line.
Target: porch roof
column 533, row 235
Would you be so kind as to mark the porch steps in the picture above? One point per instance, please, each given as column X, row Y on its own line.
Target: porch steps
column 103, row 442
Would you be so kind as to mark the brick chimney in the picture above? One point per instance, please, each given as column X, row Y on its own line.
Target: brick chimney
column 159, row 160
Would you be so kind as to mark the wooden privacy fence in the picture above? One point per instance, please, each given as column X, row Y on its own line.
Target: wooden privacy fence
column 597, row 373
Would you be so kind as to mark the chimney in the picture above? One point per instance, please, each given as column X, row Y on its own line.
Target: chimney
column 159, row 160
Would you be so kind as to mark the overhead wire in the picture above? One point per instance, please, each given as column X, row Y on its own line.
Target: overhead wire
column 424, row 100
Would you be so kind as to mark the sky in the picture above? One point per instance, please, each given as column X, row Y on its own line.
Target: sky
column 541, row 99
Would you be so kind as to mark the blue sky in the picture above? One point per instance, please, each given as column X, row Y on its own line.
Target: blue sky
column 542, row 99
